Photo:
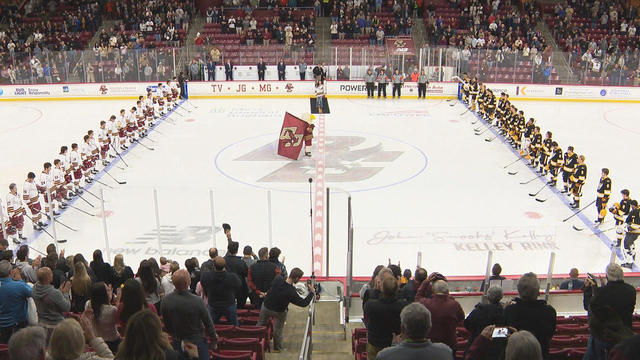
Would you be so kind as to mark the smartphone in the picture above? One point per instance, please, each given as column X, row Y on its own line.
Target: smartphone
column 590, row 275
column 500, row 332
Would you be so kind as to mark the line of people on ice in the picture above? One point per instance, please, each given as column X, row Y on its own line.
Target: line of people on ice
column 546, row 156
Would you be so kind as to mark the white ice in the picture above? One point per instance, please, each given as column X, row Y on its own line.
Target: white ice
column 452, row 211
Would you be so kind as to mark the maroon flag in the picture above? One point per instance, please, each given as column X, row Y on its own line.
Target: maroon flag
column 290, row 140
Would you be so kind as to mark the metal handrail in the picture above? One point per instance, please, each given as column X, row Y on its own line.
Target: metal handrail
column 307, row 343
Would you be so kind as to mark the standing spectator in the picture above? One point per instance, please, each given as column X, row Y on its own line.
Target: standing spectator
column 383, row 317
column 282, row 68
column 610, row 312
column 573, row 283
column 262, row 68
column 13, row 301
column 529, row 313
column 260, row 277
column 496, row 270
column 236, row 265
column 144, row 339
column 194, row 272
column 28, row 344
column 80, row 287
column 102, row 270
column 277, row 301
column 485, row 314
column 208, row 265
column 221, row 287
column 211, row 70
column 150, row 284
column 228, row 70
column 319, row 90
column 121, row 273
column 27, row 270
column 302, row 67
column 274, row 255
column 446, row 314
column 186, row 317
column 51, row 303
column 521, row 345
column 209, row 15
column 194, row 70
column 131, row 301
column 248, row 256
column 103, row 315
column 415, row 323
column 70, row 339
column 166, row 282
column 408, row 291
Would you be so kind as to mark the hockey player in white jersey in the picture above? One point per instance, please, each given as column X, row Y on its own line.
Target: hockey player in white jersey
column 15, row 215
column 121, row 127
column 86, row 156
column 103, row 143
column 31, row 196
column 75, row 162
column 95, row 152
column 46, row 187
column 57, row 174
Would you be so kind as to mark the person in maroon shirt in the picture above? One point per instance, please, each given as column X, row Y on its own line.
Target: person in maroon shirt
column 446, row 313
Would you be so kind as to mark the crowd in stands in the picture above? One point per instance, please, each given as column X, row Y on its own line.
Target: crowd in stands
column 415, row 317
column 69, row 308
column 602, row 39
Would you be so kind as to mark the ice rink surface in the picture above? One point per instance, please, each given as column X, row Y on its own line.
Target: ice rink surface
column 419, row 178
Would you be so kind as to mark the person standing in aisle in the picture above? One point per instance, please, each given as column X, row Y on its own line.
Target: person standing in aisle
column 398, row 81
column 262, row 67
column 422, row 85
column 369, row 81
column 319, row 95
column 282, row 68
column 383, row 80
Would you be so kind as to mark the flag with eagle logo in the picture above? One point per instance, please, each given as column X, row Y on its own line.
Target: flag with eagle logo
column 290, row 140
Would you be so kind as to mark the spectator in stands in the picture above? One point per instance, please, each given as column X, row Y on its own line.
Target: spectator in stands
column 221, row 287
column 282, row 70
column 277, row 301
column 194, row 272
column 529, row 313
column 610, row 312
column 248, row 256
column 208, row 265
column 408, row 291
column 51, row 303
column 573, row 283
column 383, row 317
column 80, row 287
column 236, row 265
column 262, row 68
column 121, row 273
column 14, row 293
column 131, row 301
column 485, row 314
column 186, row 317
column 166, row 282
column 446, row 313
column 302, row 67
column 274, row 255
column 144, row 339
column 27, row 269
column 103, row 315
column 153, row 292
column 4, row 245
column 228, row 70
column 102, row 270
column 627, row 349
column 521, row 345
column 28, row 344
column 415, row 324
column 70, row 338
column 496, row 270
column 260, row 277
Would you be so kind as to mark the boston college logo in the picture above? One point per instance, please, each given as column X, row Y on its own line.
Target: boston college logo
column 103, row 89
column 289, row 87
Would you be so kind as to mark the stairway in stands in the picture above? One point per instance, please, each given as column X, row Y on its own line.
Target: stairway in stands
column 323, row 41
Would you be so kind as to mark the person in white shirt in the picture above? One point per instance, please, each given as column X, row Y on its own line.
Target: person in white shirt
column 103, row 142
column 76, row 167
column 85, row 155
column 131, row 124
column 57, row 176
column 15, row 213
column 121, row 126
column 65, row 166
column 31, row 196
column 95, row 151
column 46, row 187
column 319, row 90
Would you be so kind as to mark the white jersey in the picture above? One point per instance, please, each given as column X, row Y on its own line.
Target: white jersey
column 45, row 181
column 111, row 127
column 64, row 163
column 121, row 121
column 148, row 102
column 74, row 159
column 139, row 113
column 175, row 87
column 30, row 191
column 14, row 204
column 57, row 176
column 131, row 117
column 94, row 145
column 85, row 151
column 103, row 136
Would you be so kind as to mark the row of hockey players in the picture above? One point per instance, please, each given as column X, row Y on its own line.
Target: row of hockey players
column 65, row 178
column 546, row 156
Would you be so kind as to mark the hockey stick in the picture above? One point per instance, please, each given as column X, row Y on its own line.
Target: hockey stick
column 538, row 192
column 114, row 179
column 466, row 111
column 483, row 131
column 145, row 146
column 577, row 228
column 490, row 139
column 63, row 224
column 512, row 172
column 148, row 138
column 107, row 185
column 85, row 200
column 579, row 211
column 511, row 163
column 603, row 231
column 120, row 156
column 90, row 193
column 77, row 208
column 42, row 229
column 192, row 104
column 528, row 181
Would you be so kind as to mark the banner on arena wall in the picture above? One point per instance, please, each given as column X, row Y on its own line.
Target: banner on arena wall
column 400, row 46
column 290, row 140
column 248, row 88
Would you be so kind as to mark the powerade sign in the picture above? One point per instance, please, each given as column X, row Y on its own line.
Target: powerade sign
column 153, row 88
column 359, row 88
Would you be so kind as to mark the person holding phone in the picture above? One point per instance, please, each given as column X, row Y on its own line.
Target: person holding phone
column 521, row 345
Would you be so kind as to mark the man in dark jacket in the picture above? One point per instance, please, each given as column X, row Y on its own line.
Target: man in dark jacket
column 277, row 301
column 228, row 70
column 610, row 312
column 221, row 287
column 485, row 314
column 529, row 313
column 383, row 317
column 260, row 277
column 236, row 265
column 408, row 291
column 262, row 67
column 282, row 68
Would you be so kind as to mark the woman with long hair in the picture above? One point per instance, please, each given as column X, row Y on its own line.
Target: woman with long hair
column 70, row 338
column 102, row 270
column 80, row 287
column 150, row 284
column 121, row 272
column 132, row 300
column 103, row 315
column 144, row 340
